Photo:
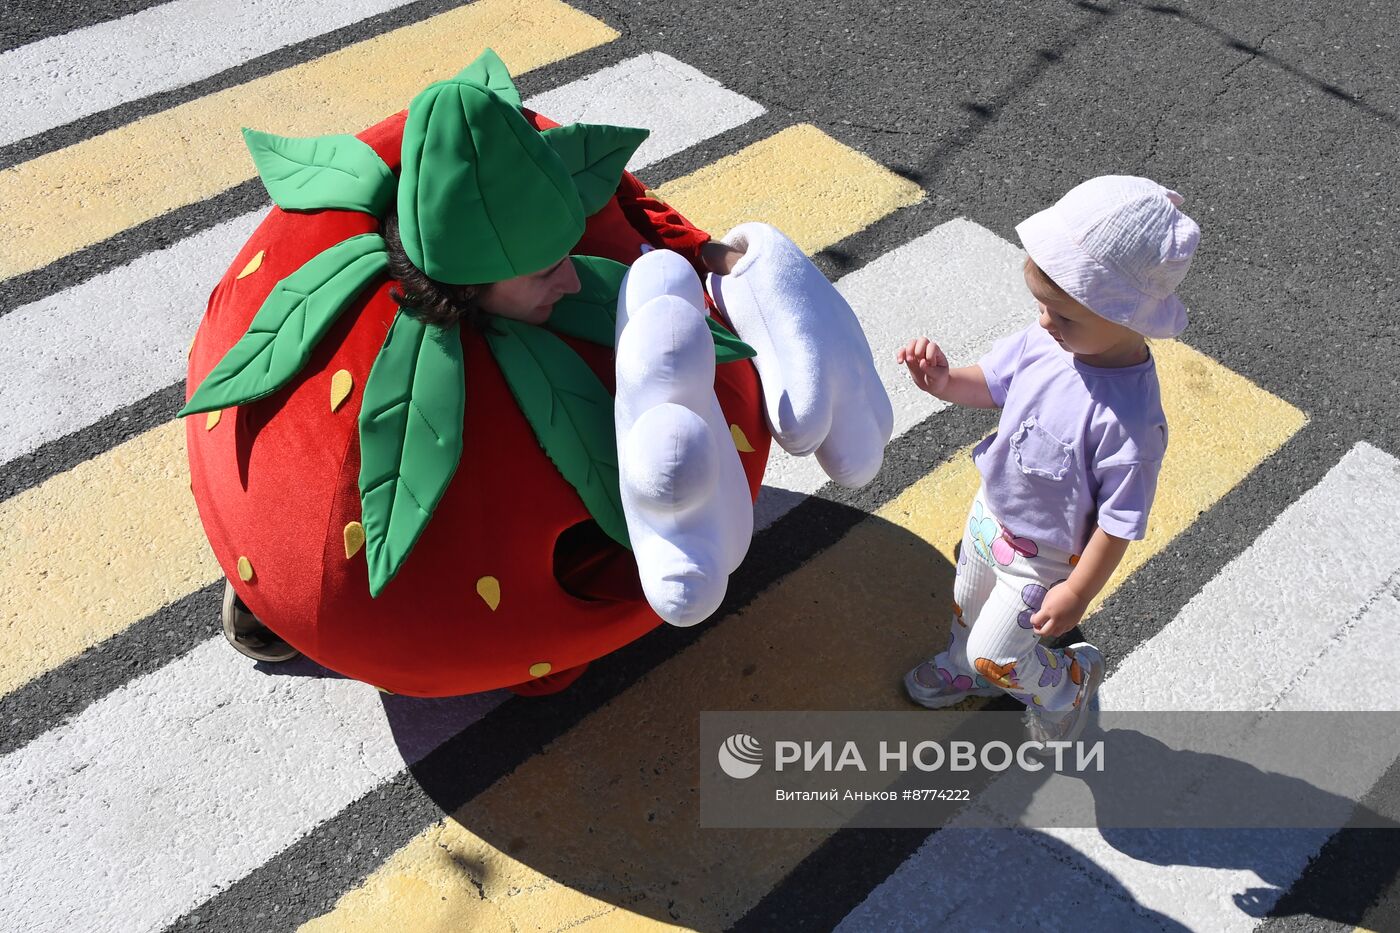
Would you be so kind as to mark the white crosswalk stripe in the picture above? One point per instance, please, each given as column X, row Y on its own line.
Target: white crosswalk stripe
column 183, row 781
column 95, row 348
column 64, row 78
column 645, row 91
column 1284, row 626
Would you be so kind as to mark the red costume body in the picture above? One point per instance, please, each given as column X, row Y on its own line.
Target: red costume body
column 276, row 482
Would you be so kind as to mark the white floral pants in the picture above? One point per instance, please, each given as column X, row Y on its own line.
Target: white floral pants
column 1001, row 581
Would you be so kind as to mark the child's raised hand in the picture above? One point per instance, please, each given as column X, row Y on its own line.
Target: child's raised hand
column 928, row 367
column 1061, row 611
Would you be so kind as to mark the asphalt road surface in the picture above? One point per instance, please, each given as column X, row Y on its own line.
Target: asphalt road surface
column 151, row 778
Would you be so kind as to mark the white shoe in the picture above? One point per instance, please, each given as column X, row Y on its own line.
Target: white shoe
column 927, row 687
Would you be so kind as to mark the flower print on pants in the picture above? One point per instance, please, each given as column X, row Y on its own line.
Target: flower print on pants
column 1000, row 675
column 1007, row 546
column 984, row 531
column 1033, row 595
column 1052, row 673
column 1054, row 669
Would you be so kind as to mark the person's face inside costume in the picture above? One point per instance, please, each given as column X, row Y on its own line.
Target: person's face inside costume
column 530, row 298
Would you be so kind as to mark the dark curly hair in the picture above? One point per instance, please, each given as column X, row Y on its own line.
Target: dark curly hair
column 424, row 297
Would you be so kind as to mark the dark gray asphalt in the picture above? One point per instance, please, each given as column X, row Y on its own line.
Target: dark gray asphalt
column 1277, row 120
column 23, row 22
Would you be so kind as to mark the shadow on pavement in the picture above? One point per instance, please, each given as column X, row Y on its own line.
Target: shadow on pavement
column 607, row 807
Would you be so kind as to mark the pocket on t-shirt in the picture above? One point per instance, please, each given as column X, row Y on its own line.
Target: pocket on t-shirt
column 1040, row 453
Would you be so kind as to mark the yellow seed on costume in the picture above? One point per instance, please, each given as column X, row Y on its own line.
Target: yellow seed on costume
column 354, row 539
column 245, row 569
column 253, row 265
column 740, row 441
column 489, row 589
column 341, row 384
column 540, row 669
column 1073, row 560
column 212, row 419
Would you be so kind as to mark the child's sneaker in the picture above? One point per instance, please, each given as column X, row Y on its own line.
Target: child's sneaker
column 1045, row 726
column 927, row 687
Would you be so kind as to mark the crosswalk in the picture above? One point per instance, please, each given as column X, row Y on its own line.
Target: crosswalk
column 65, row 78
column 1325, row 607
column 141, row 808
column 135, row 173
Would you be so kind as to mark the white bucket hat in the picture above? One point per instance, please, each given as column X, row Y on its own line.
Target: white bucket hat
column 1118, row 245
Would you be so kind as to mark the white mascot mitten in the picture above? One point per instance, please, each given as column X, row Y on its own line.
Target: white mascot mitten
column 820, row 389
column 684, row 492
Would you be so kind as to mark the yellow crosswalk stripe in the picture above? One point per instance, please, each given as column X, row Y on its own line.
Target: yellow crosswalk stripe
column 74, row 197
column 1222, row 426
column 598, row 829
column 97, row 549
column 93, row 550
column 824, row 191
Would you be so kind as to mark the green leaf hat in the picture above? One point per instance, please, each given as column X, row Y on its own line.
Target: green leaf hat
column 483, row 196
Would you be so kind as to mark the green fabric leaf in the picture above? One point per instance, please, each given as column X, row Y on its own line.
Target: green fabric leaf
column 490, row 72
column 415, row 401
column 570, row 412
column 293, row 319
column 481, row 196
column 322, row 172
column 595, row 154
column 728, row 348
column 591, row 313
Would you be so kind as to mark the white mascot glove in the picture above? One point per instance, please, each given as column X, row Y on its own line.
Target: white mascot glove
column 820, row 389
column 684, row 491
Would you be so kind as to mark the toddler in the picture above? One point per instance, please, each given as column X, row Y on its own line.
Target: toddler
column 1069, row 477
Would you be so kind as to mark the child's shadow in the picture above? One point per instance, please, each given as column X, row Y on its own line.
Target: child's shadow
column 1234, row 792
column 1170, row 806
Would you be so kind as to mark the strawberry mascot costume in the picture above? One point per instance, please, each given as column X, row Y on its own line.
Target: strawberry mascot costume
column 444, row 508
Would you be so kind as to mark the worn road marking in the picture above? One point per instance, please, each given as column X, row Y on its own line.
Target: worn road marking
column 64, row 78
column 65, row 200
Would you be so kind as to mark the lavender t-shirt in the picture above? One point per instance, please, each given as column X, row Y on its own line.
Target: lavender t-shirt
column 1077, row 444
